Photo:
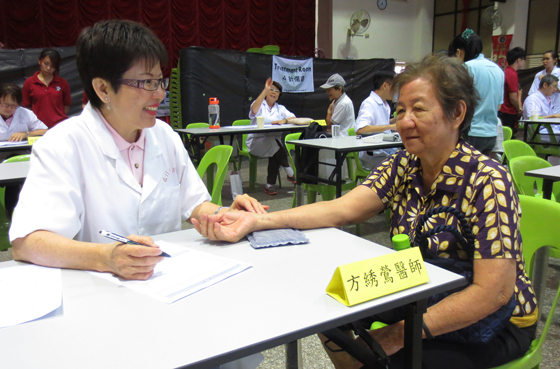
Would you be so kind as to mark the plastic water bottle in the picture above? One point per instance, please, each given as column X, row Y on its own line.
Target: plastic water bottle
column 214, row 113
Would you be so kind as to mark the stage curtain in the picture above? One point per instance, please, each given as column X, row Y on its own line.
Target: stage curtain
column 222, row 24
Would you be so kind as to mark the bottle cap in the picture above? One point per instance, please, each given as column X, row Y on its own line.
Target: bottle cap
column 401, row 242
column 214, row 100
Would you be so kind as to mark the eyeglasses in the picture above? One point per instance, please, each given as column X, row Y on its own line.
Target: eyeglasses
column 275, row 90
column 545, row 59
column 146, row 84
column 9, row 106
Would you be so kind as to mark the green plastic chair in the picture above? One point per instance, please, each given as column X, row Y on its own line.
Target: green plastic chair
column 218, row 157
column 515, row 148
column 244, row 151
column 328, row 192
column 360, row 174
column 526, row 185
column 507, row 133
column 544, row 151
column 4, row 221
column 195, row 144
column 537, row 231
column 175, row 117
column 255, row 50
column 271, row 50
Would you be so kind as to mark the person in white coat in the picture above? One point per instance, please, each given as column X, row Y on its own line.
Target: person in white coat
column 114, row 167
column 17, row 123
column 270, row 145
column 550, row 61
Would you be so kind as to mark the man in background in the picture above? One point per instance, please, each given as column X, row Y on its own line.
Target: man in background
column 341, row 109
column 511, row 109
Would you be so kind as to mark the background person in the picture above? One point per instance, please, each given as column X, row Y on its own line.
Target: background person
column 489, row 83
column 540, row 103
column 550, row 61
column 269, row 145
column 511, row 109
column 375, row 117
column 114, row 167
column 46, row 93
column 437, row 100
column 17, row 123
column 341, row 109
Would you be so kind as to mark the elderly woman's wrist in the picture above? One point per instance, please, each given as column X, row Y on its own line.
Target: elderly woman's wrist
column 221, row 209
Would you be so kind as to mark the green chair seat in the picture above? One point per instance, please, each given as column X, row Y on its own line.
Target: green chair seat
column 530, row 186
column 507, row 133
column 218, row 157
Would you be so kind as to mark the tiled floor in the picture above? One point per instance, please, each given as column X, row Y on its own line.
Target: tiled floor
column 376, row 231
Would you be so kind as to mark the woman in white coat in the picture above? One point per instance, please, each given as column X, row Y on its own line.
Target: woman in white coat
column 550, row 61
column 17, row 123
column 270, row 145
column 114, row 167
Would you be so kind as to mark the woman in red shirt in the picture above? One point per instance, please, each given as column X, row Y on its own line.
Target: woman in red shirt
column 47, row 94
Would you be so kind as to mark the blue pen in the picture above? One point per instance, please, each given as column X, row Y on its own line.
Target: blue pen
column 116, row 237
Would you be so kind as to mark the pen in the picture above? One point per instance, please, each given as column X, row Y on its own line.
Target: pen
column 116, row 237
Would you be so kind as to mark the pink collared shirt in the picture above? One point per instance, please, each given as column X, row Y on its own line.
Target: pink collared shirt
column 9, row 120
column 132, row 153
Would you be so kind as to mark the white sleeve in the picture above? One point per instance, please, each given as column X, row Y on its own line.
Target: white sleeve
column 535, row 85
column 365, row 118
column 340, row 114
column 33, row 123
column 259, row 113
column 285, row 113
column 529, row 105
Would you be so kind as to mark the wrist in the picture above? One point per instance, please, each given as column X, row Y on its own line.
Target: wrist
column 220, row 208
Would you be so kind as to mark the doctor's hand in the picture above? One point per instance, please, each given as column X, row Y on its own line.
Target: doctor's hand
column 18, row 136
column 247, row 203
column 134, row 261
column 231, row 226
column 268, row 84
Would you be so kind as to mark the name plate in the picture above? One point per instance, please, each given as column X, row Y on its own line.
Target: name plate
column 368, row 279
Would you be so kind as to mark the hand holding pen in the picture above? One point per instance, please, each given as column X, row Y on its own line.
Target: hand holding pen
column 118, row 238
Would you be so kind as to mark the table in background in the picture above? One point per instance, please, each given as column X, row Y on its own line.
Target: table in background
column 549, row 176
column 13, row 172
column 234, row 131
column 538, row 122
column 280, row 300
column 341, row 147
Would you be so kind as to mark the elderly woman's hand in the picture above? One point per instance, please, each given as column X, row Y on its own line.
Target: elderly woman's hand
column 18, row 136
column 268, row 84
column 230, row 226
column 247, row 203
column 391, row 337
column 134, row 261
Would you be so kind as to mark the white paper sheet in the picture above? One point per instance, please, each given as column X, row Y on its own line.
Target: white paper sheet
column 18, row 143
column 184, row 273
column 28, row 292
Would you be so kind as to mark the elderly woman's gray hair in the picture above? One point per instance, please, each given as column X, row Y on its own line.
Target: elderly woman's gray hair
column 451, row 81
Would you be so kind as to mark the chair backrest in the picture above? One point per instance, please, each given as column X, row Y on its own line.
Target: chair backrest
column 351, row 131
column 242, row 122
column 271, row 50
column 254, row 50
column 515, row 148
column 525, row 185
column 218, row 156
column 507, row 133
column 18, row 158
column 291, row 147
column 538, row 231
column 175, row 116
column 198, row 125
column 4, row 221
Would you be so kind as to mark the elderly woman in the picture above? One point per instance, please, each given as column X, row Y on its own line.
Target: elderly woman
column 46, row 93
column 17, row 123
column 436, row 101
column 270, row 145
column 114, row 167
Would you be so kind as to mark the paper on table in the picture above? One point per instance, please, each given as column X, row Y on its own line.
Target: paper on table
column 28, row 292
column 184, row 273
column 16, row 143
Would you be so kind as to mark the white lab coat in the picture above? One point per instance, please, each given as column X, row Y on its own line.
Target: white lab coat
column 24, row 121
column 556, row 96
column 265, row 145
column 79, row 184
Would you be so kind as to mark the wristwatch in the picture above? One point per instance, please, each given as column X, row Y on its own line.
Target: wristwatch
column 286, row 120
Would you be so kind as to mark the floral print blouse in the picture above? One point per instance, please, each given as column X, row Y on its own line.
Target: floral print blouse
column 477, row 185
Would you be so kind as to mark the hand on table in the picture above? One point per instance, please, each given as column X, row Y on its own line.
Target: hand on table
column 282, row 121
column 231, row 226
column 247, row 203
column 18, row 136
column 134, row 261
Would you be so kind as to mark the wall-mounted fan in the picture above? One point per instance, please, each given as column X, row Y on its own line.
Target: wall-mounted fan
column 359, row 23
column 492, row 17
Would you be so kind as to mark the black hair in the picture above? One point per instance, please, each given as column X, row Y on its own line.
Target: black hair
column 549, row 79
column 279, row 87
column 109, row 48
column 53, row 55
column 382, row 76
column 514, row 54
column 12, row 90
column 554, row 55
column 469, row 42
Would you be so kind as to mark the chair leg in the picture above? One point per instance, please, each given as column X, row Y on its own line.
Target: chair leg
column 252, row 171
column 311, row 196
column 329, row 193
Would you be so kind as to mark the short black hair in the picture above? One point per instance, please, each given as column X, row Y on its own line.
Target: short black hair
column 382, row 76
column 549, row 79
column 514, row 54
column 109, row 48
column 469, row 42
column 12, row 90
column 53, row 55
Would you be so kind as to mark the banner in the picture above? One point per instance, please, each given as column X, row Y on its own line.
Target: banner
column 295, row 75
column 500, row 48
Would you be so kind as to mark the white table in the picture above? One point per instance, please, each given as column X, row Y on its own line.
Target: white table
column 281, row 299
column 13, row 172
column 538, row 122
column 341, row 147
column 15, row 147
